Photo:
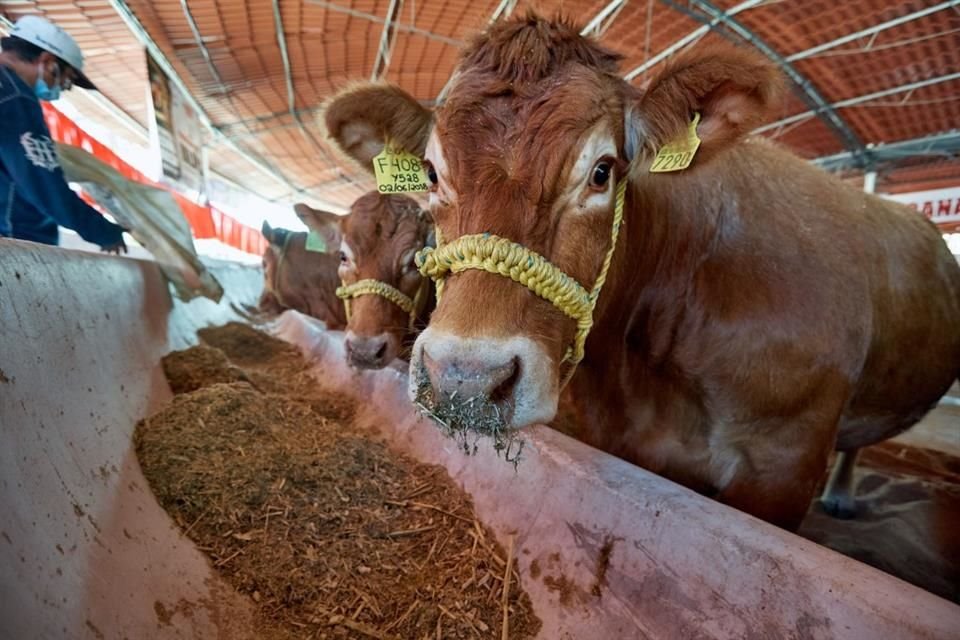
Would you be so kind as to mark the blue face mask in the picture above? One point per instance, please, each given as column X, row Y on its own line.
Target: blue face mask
column 44, row 91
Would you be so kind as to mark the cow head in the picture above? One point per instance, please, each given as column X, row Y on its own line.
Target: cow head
column 534, row 136
column 377, row 241
column 298, row 278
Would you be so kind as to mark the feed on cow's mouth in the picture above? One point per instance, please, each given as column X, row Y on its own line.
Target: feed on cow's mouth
column 469, row 420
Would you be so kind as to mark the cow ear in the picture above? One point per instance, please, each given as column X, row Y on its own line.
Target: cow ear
column 361, row 118
column 733, row 89
column 267, row 232
column 325, row 223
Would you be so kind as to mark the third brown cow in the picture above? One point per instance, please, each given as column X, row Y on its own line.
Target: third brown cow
column 298, row 277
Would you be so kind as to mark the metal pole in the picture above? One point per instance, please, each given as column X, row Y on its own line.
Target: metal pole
column 374, row 18
column 824, row 109
column 291, row 94
column 860, row 99
column 384, row 49
column 596, row 26
column 883, row 26
column 687, row 39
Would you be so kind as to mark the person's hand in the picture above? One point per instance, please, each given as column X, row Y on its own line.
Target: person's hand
column 117, row 248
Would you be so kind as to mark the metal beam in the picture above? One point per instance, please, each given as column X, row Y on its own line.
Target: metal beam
column 291, row 94
column 871, row 31
column 141, row 34
column 398, row 25
column 505, row 8
column 945, row 144
column 385, row 49
column 268, row 117
column 687, row 39
column 284, row 57
column 203, row 50
column 604, row 18
column 808, row 92
column 243, row 135
column 850, row 102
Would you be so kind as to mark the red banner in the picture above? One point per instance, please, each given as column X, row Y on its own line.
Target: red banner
column 205, row 221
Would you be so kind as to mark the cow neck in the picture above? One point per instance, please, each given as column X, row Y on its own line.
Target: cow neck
column 493, row 254
column 675, row 226
column 276, row 273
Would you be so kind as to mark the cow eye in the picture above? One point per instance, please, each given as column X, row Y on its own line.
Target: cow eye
column 431, row 172
column 601, row 174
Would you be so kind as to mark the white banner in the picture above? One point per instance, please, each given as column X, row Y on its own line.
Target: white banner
column 942, row 206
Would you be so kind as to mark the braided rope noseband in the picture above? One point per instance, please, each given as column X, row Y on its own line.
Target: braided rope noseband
column 500, row 256
column 409, row 305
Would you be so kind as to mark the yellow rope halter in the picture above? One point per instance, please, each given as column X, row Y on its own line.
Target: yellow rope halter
column 409, row 305
column 497, row 255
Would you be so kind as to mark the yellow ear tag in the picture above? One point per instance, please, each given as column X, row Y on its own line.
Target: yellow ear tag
column 398, row 171
column 677, row 154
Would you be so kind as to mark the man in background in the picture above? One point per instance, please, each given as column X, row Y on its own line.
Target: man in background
column 38, row 61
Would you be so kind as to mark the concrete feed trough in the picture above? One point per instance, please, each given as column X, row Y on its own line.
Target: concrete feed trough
column 86, row 552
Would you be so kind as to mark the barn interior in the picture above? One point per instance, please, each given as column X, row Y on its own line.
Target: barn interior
column 206, row 128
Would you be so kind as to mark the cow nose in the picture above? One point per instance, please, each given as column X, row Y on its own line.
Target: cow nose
column 465, row 379
column 368, row 352
column 482, row 383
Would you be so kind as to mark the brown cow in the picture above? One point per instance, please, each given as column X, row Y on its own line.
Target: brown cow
column 758, row 312
column 378, row 241
column 295, row 278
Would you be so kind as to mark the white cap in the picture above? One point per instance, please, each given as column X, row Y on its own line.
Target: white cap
column 50, row 37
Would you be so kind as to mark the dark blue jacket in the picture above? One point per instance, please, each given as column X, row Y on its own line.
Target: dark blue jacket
column 34, row 196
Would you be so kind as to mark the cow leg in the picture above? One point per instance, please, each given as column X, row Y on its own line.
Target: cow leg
column 838, row 496
column 782, row 501
column 775, row 477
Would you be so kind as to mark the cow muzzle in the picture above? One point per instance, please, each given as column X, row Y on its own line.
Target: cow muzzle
column 371, row 352
column 483, row 384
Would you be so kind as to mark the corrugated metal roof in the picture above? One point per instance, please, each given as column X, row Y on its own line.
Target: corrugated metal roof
column 229, row 55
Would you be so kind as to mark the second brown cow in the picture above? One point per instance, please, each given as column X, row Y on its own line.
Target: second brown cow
column 376, row 243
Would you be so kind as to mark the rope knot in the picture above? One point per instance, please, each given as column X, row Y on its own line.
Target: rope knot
column 347, row 292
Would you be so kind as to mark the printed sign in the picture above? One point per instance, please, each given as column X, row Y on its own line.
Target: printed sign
column 678, row 154
column 398, row 171
column 942, row 206
column 176, row 129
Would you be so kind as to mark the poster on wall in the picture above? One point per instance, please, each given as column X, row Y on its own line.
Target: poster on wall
column 942, row 206
column 176, row 131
